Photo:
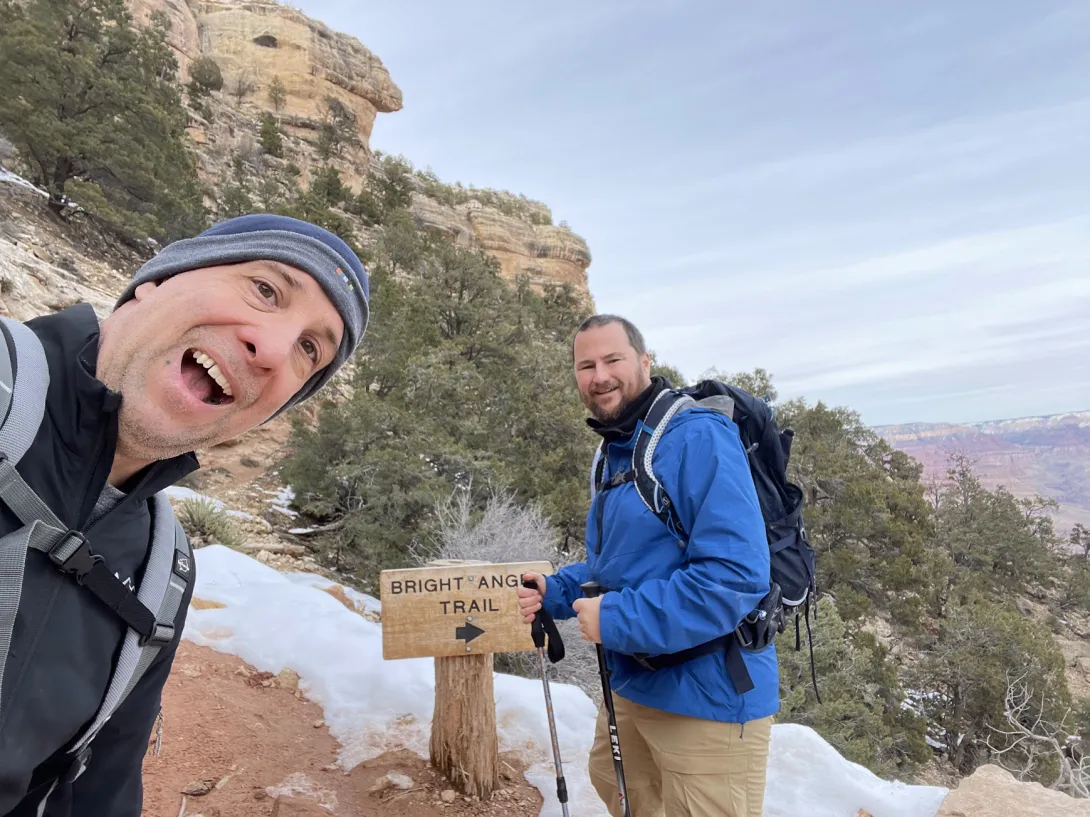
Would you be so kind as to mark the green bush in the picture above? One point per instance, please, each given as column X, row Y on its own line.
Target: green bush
column 271, row 142
column 205, row 75
column 862, row 712
column 205, row 523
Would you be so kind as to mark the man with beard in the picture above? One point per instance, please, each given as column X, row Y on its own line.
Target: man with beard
column 691, row 743
column 214, row 336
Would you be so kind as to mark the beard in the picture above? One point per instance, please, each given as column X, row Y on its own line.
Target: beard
column 603, row 415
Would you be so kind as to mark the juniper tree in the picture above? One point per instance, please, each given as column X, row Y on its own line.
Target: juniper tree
column 93, row 106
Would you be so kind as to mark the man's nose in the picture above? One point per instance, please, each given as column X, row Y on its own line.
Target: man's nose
column 267, row 347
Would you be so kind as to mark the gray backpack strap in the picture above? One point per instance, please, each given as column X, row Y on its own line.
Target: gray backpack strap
column 24, row 382
column 169, row 572
column 597, row 467
column 662, row 411
column 23, row 386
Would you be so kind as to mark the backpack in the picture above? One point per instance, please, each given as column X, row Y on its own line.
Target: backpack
column 792, row 559
column 149, row 613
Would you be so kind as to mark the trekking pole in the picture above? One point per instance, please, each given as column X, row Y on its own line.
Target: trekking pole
column 537, row 632
column 591, row 590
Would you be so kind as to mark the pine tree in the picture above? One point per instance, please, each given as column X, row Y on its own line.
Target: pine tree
column 89, row 98
column 271, row 142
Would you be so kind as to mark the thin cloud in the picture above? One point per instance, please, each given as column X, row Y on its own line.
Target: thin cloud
column 885, row 206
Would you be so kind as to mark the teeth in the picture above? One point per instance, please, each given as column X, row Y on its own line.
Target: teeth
column 213, row 371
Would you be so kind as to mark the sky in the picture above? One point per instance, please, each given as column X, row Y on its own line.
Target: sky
column 885, row 205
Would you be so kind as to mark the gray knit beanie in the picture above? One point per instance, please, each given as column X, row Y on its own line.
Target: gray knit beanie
column 316, row 251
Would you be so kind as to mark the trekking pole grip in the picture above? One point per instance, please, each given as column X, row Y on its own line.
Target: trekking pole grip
column 537, row 628
column 591, row 589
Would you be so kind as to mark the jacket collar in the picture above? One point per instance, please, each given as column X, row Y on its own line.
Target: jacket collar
column 71, row 341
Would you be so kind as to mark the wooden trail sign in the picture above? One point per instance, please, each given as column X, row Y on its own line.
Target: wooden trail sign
column 454, row 609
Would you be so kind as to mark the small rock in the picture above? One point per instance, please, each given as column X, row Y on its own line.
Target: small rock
column 318, row 724
column 296, row 807
column 199, row 788
column 288, row 678
column 448, row 796
column 392, row 780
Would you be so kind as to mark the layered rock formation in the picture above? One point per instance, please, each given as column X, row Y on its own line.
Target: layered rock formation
column 993, row 792
column 257, row 40
column 540, row 252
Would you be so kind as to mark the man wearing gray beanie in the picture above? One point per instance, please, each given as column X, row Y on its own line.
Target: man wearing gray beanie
column 213, row 337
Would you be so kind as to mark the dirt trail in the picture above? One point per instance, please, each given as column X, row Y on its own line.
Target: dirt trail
column 238, row 743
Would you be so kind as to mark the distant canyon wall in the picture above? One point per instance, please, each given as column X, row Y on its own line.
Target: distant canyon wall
column 1047, row 456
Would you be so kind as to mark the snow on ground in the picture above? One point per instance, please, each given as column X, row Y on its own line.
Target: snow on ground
column 363, row 602
column 281, row 501
column 176, row 493
column 273, row 620
column 12, row 178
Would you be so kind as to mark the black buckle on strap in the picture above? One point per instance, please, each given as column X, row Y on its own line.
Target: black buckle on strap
column 80, row 562
column 78, row 765
column 161, row 635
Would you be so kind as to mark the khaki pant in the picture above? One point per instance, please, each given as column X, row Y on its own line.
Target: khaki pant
column 681, row 766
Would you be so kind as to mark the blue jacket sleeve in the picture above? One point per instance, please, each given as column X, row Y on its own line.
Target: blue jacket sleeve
column 562, row 589
column 726, row 569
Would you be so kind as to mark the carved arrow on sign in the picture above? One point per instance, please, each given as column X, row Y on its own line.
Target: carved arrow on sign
column 468, row 632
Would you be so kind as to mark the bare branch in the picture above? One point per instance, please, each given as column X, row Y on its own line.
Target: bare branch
column 505, row 531
column 1034, row 738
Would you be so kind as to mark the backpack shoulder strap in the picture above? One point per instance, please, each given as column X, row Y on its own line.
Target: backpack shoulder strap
column 166, row 579
column 24, row 381
column 597, row 468
column 665, row 406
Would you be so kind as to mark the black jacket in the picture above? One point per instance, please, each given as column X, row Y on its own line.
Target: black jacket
column 65, row 641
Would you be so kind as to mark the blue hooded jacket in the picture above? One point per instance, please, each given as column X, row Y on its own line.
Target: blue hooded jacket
column 665, row 596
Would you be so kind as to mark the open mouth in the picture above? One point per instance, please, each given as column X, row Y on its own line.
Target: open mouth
column 203, row 377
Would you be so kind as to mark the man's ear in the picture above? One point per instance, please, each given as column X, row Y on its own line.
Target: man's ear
column 645, row 364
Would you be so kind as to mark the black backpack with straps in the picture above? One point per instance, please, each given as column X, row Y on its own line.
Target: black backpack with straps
column 793, row 564
column 149, row 613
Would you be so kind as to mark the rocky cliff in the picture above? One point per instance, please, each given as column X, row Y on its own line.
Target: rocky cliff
column 254, row 41
column 542, row 253
column 1049, row 456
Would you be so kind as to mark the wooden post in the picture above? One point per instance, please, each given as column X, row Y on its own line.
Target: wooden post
column 464, row 744
column 461, row 613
